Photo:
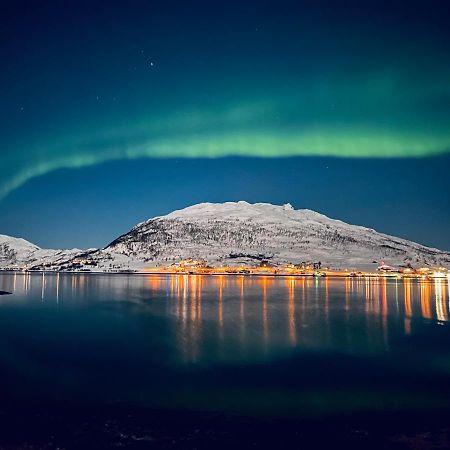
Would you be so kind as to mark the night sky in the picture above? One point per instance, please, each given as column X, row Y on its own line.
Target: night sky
column 113, row 112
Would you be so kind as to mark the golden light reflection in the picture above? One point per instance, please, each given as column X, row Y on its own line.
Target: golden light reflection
column 347, row 295
column 384, row 310
column 408, row 304
column 425, row 300
column 184, row 298
column 376, row 297
column 242, row 308
column 195, row 316
column 193, row 303
column 264, row 282
column 291, row 310
column 367, row 291
column 265, row 311
column 440, row 297
column 221, row 284
column 154, row 283
column 199, row 297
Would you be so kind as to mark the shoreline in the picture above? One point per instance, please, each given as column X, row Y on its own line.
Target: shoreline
column 52, row 426
column 323, row 274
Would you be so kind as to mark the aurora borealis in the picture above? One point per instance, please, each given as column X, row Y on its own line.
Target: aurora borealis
column 225, row 134
column 87, row 83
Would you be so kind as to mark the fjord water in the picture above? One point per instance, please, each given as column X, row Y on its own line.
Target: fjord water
column 248, row 344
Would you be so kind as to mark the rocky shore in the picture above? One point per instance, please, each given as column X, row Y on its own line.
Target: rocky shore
column 52, row 427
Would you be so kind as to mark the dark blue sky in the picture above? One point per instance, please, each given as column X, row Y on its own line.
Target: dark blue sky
column 113, row 112
column 91, row 206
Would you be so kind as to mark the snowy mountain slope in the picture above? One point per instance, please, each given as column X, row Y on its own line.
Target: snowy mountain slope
column 17, row 253
column 15, row 250
column 239, row 232
column 232, row 233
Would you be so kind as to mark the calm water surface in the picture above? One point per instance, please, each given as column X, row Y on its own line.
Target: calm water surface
column 284, row 345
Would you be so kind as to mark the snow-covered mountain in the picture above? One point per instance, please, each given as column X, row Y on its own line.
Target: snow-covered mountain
column 17, row 253
column 239, row 232
column 231, row 233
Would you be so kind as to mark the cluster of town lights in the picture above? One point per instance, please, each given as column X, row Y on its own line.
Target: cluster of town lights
column 199, row 267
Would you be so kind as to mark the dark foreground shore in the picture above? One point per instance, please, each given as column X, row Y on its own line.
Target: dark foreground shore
column 60, row 427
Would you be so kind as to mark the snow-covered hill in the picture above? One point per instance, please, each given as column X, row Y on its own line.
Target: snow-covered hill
column 239, row 232
column 17, row 253
column 232, row 233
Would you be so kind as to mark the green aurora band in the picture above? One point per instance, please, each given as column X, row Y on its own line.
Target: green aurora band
column 372, row 119
column 335, row 143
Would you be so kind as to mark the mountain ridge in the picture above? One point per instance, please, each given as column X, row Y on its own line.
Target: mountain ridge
column 217, row 232
column 18, row 253
column 236, row 233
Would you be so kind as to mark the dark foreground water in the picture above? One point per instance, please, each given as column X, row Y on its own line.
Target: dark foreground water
column 254, row 346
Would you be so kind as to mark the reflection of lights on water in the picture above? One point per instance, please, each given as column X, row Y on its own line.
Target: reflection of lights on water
column 397, row 306
column 241, row 303
column 407, row 296
column 448, row 294
column 184, row 301
column 425, row 300
column 291, row 310
column 195, row 323
column 441, row 307
column 347, row 294
column 384, row 306
column 193, row 303
column 242, row 309
column 367, row 296
column 408, row 306
column 199, row 299
column 221, row 300
column 367, row 290
column 299, row 310
column 43, row 286
column 27, row 281
column 264, row 310
column 384, row 312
